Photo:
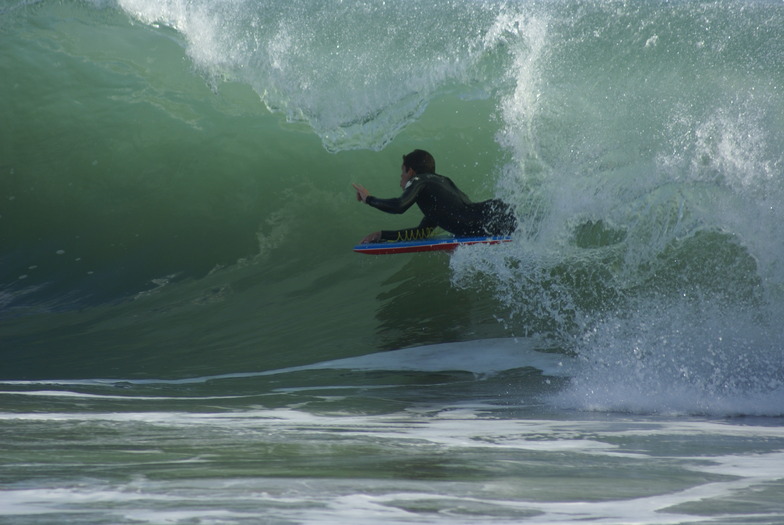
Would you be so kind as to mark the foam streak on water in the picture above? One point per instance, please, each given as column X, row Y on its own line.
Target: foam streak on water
column 414, row 466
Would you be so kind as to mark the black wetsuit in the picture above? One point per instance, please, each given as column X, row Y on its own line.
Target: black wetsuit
column 446, row 207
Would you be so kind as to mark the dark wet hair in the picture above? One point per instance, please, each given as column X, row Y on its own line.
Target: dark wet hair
column 420, row 161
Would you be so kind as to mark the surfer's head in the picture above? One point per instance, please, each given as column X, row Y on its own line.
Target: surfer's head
column 420, row 161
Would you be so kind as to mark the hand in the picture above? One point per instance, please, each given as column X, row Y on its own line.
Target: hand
column 372, row 237
column 362, row 193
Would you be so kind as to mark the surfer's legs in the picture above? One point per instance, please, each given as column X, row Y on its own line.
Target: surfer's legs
column 497, row 217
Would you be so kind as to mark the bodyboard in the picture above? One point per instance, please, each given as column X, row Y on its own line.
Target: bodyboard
column 427, row 245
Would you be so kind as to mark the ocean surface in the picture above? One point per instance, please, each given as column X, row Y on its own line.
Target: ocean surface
column 187, row 337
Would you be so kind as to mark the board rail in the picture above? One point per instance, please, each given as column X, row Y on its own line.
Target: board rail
column 426, row 245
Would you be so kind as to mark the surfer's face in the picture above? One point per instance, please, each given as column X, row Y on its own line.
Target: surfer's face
column 405, row 175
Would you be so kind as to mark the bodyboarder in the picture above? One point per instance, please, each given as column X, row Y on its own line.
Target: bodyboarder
column 442, row 203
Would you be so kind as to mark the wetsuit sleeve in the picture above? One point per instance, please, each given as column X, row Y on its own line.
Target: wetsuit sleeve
column 423, row 231
column 399, row 204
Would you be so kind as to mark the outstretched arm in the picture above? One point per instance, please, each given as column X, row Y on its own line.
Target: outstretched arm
column 397, row 205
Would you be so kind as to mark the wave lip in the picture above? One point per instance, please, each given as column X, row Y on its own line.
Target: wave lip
column 356, row 74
